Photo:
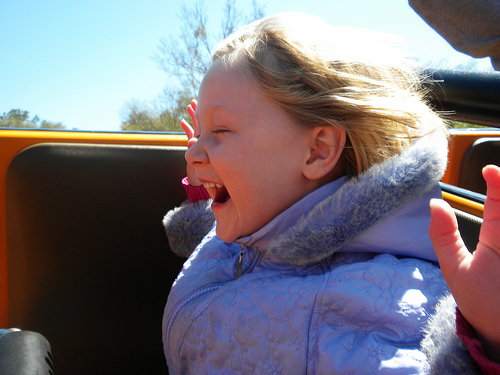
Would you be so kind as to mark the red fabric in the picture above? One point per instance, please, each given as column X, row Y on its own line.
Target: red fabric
column 195, row 193
column 468, row 336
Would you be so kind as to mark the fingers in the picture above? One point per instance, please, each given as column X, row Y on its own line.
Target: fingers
column 190, row 131
column 491, row 174
column 445, row 237
column 193, row 104
column 191, row 109
column 187, row 129
column 444, row 232
column 489, row 235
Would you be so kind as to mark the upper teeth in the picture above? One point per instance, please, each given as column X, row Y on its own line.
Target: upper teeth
column 211, row 185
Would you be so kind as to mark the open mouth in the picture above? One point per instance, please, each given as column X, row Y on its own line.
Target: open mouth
column 221, row 195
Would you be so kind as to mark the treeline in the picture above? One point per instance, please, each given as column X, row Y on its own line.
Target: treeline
column 17, row 118
column 143, row 118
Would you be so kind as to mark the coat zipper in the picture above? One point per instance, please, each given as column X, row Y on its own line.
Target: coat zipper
column 198, row 293
column 210, row 288
column 183, row 303
column 239, row 265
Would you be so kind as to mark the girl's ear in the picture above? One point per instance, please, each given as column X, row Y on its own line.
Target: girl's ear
column 326, row 146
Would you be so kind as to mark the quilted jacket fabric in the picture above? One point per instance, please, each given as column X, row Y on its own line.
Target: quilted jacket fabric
column 343, row 282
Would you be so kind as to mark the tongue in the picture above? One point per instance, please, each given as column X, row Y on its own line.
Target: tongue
column 221, row 195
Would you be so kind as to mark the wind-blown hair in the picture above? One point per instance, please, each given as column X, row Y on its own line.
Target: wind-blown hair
column 356, row 80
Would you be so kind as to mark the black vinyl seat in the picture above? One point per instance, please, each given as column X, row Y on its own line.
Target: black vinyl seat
column 88, row 260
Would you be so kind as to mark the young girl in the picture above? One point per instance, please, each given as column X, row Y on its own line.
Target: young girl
column 310, row 172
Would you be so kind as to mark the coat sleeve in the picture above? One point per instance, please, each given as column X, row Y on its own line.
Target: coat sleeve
column 446, row 352
column 187, row 224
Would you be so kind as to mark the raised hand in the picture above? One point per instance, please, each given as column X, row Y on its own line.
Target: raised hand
column 474, row 279
column 191, row 133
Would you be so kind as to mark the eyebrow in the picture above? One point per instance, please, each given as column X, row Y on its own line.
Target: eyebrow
column 211, row 111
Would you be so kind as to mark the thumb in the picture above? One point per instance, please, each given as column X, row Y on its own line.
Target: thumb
column 446, row 239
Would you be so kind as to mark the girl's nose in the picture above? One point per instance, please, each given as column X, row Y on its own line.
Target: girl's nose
column 196, row 154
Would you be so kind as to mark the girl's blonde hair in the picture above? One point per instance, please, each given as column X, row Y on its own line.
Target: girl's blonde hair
column 352, row 79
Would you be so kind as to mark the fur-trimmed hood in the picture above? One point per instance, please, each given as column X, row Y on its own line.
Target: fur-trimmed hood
column 385, row 210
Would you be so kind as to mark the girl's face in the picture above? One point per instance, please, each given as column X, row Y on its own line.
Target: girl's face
column 249, row 154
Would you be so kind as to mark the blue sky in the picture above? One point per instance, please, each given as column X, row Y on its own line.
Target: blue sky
column 82, row 62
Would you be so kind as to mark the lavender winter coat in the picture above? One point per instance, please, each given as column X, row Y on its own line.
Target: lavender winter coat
column 343, row 282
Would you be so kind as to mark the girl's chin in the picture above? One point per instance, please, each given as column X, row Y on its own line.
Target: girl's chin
column 224, row 235
column 224, row 228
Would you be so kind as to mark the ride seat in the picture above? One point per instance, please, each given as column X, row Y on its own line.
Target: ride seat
column 89, row 266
